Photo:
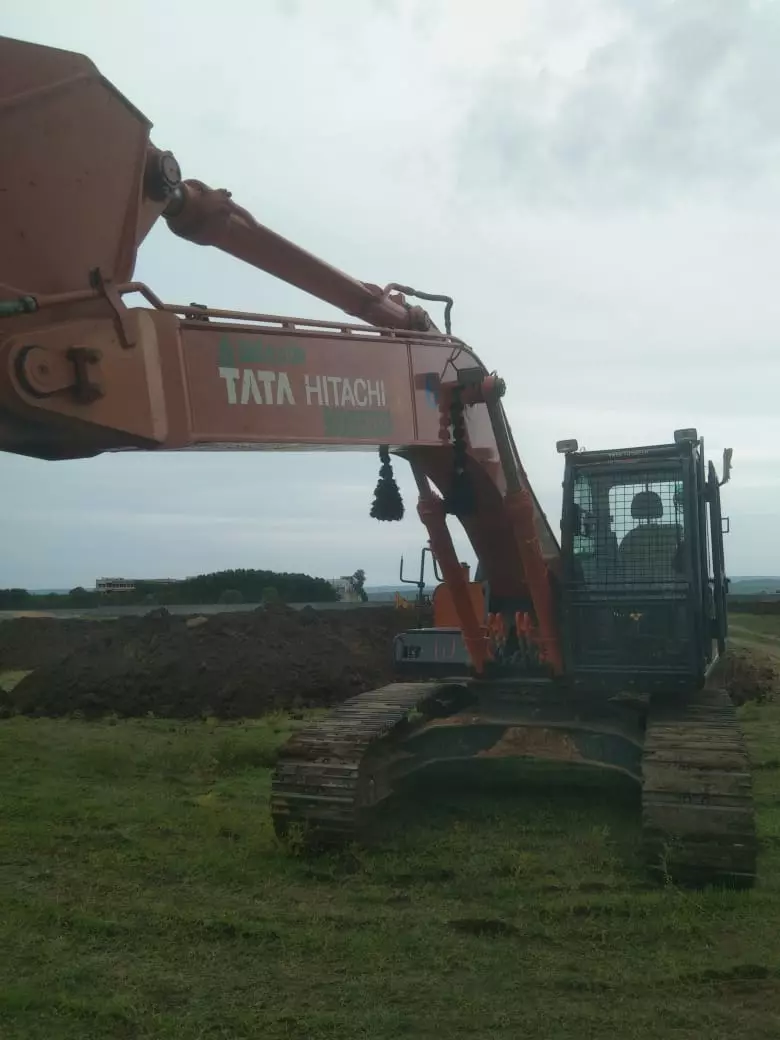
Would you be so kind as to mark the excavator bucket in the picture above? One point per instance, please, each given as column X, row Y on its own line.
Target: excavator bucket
column 75, row 158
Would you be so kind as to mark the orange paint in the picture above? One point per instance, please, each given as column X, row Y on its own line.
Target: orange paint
column 81, row 373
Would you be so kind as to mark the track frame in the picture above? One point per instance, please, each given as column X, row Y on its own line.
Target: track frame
column 686, row 752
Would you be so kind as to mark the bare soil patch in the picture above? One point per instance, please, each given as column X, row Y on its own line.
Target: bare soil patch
column 227, row 665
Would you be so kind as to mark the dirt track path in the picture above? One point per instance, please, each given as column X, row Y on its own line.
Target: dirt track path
column 748, row 639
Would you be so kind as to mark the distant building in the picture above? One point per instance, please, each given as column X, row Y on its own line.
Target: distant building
column 129, row 584
column 346, row 589
column 114, row 585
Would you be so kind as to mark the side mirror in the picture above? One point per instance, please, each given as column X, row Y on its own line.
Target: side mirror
column 727, row 453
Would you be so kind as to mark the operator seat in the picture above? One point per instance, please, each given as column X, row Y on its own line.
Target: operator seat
column 650, row 551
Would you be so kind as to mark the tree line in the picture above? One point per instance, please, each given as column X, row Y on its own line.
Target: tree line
column 232, row 586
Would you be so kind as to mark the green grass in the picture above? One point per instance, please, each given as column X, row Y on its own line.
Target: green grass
column 144, row 895
column 764, row 628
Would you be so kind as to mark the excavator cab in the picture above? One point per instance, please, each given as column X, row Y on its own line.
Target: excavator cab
column 644, row 589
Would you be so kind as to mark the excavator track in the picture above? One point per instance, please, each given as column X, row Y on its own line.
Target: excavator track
column 324, row 780
column 697, row 801
column 697, row 805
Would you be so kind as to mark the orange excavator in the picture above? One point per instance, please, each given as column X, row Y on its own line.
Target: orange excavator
column 535, row 656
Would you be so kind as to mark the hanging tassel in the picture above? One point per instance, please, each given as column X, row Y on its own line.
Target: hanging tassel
column 388, row 504
column 460, row 499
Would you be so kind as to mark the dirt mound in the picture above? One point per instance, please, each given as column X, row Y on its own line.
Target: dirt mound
column 748, row 675
column 30, row 642
column 228, row 665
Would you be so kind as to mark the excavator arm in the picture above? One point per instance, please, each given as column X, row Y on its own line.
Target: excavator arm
column 82, row 373
column 209, row 217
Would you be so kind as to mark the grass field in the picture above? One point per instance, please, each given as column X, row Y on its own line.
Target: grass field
column 144, row 895
column 765, row 628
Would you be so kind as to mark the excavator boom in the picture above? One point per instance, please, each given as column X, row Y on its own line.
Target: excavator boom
column 82, row 373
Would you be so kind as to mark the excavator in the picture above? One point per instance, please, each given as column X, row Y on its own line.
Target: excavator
column 598, row 649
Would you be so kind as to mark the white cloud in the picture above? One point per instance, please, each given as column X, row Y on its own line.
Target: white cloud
column 594, row 182
column 673, row 99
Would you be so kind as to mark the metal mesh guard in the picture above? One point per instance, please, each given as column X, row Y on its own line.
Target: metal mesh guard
column 632, row 531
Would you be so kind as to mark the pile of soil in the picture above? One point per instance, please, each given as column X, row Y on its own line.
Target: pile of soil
column 29, row 642
column 233, row 665
column 228, row 665
column 748, row 675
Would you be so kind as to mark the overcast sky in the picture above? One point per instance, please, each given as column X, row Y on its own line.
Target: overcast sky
column 597, row 183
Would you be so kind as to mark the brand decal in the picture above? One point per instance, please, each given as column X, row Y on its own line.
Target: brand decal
column 266, row 386
column 254, row 372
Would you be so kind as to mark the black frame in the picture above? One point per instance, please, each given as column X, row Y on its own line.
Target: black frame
column 697, row 600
